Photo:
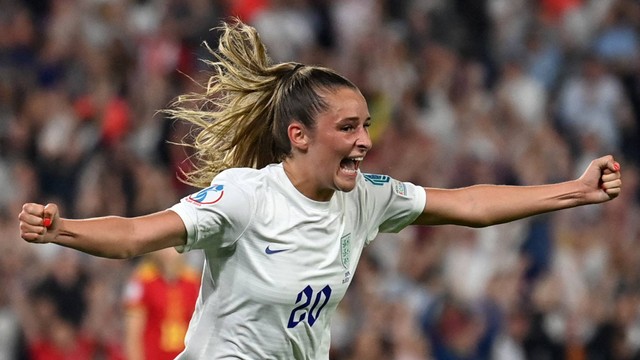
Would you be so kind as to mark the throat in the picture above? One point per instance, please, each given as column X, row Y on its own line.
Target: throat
column 307, row 185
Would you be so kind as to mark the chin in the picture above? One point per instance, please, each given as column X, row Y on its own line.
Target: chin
column 345, row 182
column 345, row 186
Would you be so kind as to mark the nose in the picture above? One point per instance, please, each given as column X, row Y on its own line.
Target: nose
column 363, row 140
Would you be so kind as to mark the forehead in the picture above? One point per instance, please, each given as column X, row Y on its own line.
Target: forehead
column 345, row 103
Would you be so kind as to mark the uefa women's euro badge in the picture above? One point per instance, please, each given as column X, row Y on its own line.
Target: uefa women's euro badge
column 208, row 196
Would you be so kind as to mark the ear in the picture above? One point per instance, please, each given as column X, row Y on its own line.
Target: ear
column 298, row 136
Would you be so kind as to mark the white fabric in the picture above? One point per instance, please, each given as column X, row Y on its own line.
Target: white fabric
column 255, row 305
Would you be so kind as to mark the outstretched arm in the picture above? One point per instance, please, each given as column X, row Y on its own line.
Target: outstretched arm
column 111, row 236
column 484, row 205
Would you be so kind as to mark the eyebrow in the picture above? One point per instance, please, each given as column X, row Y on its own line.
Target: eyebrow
column 353, row 118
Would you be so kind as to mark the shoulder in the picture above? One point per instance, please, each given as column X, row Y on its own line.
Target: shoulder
column 377, row 183
column 143, row 276
column 246, row 176
column 233, row 191
column 235, row 182
column 239, row 175
column 384, row 187
column 373, row 179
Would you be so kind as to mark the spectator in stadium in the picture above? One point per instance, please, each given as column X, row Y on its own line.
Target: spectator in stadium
column 285, row 212
column 159, row 300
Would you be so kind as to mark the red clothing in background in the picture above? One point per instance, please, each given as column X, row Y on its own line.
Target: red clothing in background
column 168, row 306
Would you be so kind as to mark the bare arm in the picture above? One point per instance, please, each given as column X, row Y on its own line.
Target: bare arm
column 484, row 205
column 111, row 236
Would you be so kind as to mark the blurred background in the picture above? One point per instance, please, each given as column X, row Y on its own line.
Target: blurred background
column 460, row 91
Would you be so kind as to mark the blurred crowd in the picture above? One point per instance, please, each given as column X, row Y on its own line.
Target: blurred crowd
column 460, row 91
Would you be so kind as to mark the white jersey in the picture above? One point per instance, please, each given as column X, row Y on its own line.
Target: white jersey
column 278, row 263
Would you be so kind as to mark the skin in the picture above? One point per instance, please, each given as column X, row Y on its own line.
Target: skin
column 341, row 132
column 170, row 264
column 135, row 320
column 314, row 168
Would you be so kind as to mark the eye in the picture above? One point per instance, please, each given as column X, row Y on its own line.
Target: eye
column 347, row 128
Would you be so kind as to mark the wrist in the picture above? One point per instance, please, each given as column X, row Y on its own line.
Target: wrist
column 573, row 193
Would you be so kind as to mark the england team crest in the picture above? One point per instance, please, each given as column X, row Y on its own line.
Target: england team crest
column 345, row 246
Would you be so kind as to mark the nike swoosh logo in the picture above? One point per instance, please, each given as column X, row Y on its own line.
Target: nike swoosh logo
column 270, row 251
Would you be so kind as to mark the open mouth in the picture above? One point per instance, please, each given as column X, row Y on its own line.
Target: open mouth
column 350, row 165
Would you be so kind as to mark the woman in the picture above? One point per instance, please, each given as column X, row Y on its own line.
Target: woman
column 285, row 212
column 159, row 299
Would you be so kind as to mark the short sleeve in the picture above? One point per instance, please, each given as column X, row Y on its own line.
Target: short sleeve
column 215, row 217
column 392, row 205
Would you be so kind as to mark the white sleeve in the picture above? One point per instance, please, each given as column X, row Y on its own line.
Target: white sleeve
column 392, row 204
column 215, row 217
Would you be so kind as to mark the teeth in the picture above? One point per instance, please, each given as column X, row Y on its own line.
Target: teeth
column 353, row 167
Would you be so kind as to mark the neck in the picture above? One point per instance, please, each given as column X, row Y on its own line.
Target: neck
column 305, row 181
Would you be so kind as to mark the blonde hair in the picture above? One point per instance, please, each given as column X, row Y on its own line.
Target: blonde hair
column 241, row 118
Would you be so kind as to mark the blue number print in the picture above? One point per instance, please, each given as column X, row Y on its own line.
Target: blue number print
column 325, row 294
column 300, row 312
column 307, row 292
column 376, row 179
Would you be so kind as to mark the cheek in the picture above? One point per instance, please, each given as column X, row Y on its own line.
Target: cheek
column 330, row 148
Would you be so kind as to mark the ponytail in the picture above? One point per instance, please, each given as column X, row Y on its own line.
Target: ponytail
column 241, row 117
